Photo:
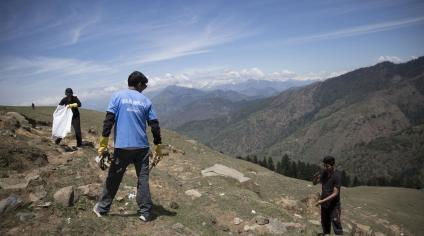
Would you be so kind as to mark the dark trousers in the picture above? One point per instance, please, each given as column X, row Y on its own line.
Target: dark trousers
column 77, row 129
column 122, row 158
column 330, row 215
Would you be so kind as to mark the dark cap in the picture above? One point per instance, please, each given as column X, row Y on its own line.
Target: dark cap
column 68, row 91
column 137, row 77
column 329, row 160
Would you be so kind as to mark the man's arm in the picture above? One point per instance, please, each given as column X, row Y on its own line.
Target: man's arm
column 332, row 195
column 154, row 125
column 108, row 124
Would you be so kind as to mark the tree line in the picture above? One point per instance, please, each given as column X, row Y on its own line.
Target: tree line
column 306, row 171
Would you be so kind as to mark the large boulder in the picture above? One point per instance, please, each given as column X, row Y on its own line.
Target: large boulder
column 221, row 170
column 65, row 196
column 91, row 191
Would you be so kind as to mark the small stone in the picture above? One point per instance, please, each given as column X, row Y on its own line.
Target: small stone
column 275, row 226
column 25, row 216
column 38, row 194
column 174, row 205
column 178, row 227
column 314, row 222
column 224, row 228
column 46, row 204
column 237, row 221
column 260, row 220
column 120, row 198
column 193, row 193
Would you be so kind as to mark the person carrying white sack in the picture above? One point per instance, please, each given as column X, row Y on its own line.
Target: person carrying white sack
column 59, row 131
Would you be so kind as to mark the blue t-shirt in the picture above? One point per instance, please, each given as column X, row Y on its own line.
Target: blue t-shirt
column 132, row 110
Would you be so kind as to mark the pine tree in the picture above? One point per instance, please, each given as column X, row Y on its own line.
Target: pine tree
column 255, row 159
column 345, row 179
column 285, row 165
column 270, row 164
column 356, row 182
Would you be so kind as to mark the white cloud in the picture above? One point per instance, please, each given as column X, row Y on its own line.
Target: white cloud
column 356, row 31
column 393, row 59
column 208, row 78
column 170, row 43
column 17, row 67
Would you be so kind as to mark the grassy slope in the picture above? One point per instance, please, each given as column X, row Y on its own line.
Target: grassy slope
column 179, row 173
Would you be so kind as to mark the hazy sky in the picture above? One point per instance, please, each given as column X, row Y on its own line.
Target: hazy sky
column 92, row 46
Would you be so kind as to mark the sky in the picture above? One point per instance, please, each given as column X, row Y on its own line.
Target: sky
column 92, row 46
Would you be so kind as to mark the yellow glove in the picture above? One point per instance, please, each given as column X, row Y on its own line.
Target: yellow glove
column 73, row 105
column 102, row 144
column 158, row 150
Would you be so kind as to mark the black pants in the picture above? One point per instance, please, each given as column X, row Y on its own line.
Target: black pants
column 140, row 159
column 77, row 129
column 330, row 215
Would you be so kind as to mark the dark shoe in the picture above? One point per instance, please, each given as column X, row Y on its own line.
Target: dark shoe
column 57, row 141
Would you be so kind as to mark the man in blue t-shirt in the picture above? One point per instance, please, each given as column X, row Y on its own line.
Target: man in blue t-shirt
column 129, row 111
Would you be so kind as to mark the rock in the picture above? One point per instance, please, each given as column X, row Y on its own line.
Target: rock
column 178, row 227
column 37, row 194
column 221, row 170
column 119, row 198
column 45, row 204
column 362, row 230
column 174, row 205
column 13, row 183
column 65, row 196
column 248, row 228
column 22, row 122
column 287, row 203
column 223, row 228
column 193, row 193
column 34, row 180
column 298, row 216
column 260, row 220
column 315, row 222
column 379, row 234
column 275, row 226
column 25, row 216
column 66, row 148
column 10, row 203
column 87, row 144
column 293, row 225
column 311, row 210
column 91, row 191
column 237, row 221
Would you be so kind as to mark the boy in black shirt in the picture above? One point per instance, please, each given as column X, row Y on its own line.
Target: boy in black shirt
column 72, row 102
column 330, row 196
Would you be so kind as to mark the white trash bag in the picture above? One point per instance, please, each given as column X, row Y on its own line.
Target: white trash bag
column 62, row 121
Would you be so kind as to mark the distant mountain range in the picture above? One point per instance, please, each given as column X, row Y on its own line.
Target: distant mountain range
column 177, row 105
column 370, row 119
